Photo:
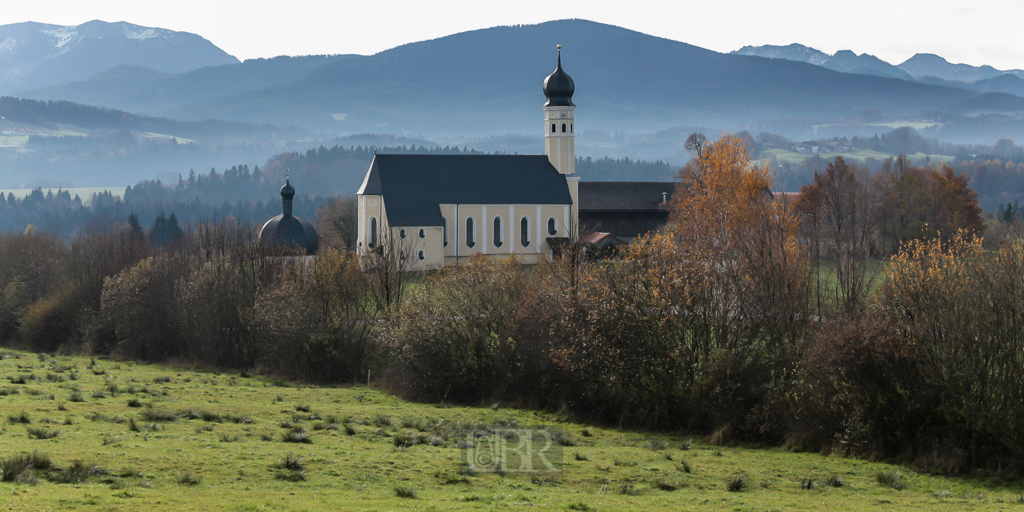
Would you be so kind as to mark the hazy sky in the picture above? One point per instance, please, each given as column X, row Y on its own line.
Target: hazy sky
column 974, row 32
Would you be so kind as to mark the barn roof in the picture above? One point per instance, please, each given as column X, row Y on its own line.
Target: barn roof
column 624, row 195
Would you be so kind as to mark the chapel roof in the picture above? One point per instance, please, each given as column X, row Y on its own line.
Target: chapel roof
column 625, row 195
column 414, row 185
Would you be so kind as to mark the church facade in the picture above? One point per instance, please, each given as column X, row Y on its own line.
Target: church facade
column 435, row 210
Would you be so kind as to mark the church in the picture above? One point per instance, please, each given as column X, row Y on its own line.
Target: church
column 441, row 209
column 436, row 210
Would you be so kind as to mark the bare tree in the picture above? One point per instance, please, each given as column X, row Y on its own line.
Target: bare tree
column 336, row 223
column 390, row 265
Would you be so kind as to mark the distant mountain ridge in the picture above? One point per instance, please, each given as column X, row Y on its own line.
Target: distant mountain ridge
column 921, row 65
column 844, row 61
column 36, row 55
column 487, row 82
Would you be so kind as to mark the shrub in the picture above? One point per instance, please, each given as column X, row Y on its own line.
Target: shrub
column 468, row 334
column 53, row 320
column 863, row 390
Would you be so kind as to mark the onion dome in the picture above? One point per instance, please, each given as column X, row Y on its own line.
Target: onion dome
column 559, row 87
column 287, row 191
column 287, row 229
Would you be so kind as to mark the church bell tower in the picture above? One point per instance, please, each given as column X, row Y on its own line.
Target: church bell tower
column 559, row 125
column 560, row 135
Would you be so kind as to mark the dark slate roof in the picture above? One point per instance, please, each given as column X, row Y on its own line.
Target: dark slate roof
column 624, row 195
column 414, row 185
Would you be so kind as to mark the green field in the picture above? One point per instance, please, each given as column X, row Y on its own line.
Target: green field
column 792, row 157
column 129, row 427
column 917, row 125
column 63, row 130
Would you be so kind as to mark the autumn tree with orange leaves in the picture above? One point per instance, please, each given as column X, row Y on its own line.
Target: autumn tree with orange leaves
column 696, row 327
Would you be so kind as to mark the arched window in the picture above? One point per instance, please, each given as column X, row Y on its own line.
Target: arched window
column 497, row 232
column 524, row 231
column 563, row 127
column 552, row 127
column 570, row 127
column 373, row 232
column 552, row 226
column 423, row 233
column 470, row 233
column 401, row 233
column 445, row 231
column 421, row 255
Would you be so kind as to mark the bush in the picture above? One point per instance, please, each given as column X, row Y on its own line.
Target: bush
column 468, row 334
column 863, row 390
column 136, row 304
column 317, row 323
column 53, row 320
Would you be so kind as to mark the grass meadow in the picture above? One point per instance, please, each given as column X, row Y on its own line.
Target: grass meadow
column 793, row 157
column 95, row 434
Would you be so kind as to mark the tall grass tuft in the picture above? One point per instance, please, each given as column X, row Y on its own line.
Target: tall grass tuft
column 891, row 479
column 737, row 483
column 19, row 418
column 76, row 473
column 189, row 479
column 41, row 433
column 296, row 435
column 403, row 491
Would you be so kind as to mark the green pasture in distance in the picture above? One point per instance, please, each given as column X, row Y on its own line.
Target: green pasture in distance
column 62, row 130
column 150, row 437
column 793, row 157
column 917, row 125
column 85, row 193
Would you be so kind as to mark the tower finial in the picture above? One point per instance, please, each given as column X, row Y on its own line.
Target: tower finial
column 288, row 176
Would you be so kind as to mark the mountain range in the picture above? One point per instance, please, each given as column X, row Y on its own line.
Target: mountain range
column 37, row 55
column 922, row 67
column 486, row 82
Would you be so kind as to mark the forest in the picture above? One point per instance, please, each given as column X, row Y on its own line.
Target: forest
column 247, row 194
column 845, row 319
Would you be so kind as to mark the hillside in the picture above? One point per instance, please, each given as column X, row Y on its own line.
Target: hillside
column 151, row 437
column 487, row 82
column 145, row 91
column 37, row 55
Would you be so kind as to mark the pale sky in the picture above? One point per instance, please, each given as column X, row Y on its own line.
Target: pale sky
column 974, row 32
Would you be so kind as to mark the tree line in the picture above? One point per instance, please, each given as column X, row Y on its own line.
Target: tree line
column 725, row 323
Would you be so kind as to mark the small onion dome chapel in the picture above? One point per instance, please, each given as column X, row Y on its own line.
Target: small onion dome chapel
column 287, row 229
column 440, row 209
